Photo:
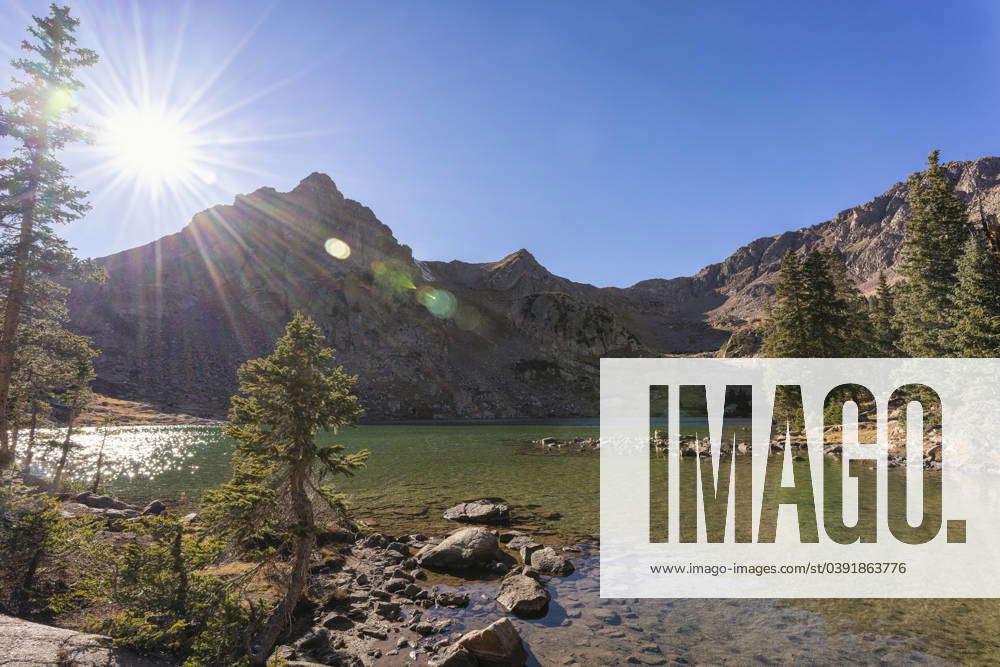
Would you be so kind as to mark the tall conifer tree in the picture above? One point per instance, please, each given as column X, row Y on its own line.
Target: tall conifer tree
column 935, row 237
column 976, row 299
column 285, row 400
column 883, row 313
column 35, row 191
column 781, row 337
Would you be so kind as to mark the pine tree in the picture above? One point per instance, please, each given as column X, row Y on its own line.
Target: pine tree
column 285, row 399
column 781, row 333
column 934, row 238
column 35, row 192
column 817, row 312
column 855, row 332
column 822, row 326
column 883, row 315
column 976, row 300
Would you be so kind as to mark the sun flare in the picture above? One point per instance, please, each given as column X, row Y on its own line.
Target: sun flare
column 152, row 147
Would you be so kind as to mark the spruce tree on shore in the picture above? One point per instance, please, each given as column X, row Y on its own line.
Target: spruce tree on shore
column 885, row 332
column 781, row 337
column 934, row 241
column 35, row 190
column 817, row 311
column 285, row 399
column 976, row 302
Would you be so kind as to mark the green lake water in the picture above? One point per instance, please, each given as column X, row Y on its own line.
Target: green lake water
column 414, row 472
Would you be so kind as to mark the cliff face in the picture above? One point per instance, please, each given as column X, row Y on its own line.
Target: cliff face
column 428, row 339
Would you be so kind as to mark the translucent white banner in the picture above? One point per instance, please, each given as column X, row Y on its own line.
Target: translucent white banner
column 837, row 489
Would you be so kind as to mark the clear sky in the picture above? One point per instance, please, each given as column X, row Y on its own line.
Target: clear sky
column 616, row 141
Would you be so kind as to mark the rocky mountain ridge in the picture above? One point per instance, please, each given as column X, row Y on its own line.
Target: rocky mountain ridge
column 429, row 340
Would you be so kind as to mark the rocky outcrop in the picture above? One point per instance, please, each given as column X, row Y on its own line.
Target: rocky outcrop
column 431, row 339
column 25, row 644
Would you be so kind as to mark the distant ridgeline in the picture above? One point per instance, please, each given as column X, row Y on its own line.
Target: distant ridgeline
column 432, row 340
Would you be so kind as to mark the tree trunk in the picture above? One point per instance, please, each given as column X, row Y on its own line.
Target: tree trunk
column 13, row 304
column 57, row 479
column 263, row 642
column 177, row 557
column 29, row 579
column 32, row 425
column 100, row 462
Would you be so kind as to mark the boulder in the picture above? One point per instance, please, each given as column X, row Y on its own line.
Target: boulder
column 527, row 549
column 486, row 510
column 155, row 508
column 517, row 541
column 25, row 643
column 452, row 599
column 496, row 645
column 454, row 656
column 375, row 540
column 464, row 549
column 549, row 561
column 74, row 510
column 389, row 610
column 100, row 502
column 522, row 595
column 398, row 549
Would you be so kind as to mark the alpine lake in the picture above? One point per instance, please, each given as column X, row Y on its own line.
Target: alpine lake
column 417, row 471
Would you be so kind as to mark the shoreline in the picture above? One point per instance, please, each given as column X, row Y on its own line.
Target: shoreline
column 378, row 598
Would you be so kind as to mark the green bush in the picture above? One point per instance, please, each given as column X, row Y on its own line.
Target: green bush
column 169, row 606
column 30, row 533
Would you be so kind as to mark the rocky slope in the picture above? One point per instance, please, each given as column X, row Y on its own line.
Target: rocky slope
column 429, row 339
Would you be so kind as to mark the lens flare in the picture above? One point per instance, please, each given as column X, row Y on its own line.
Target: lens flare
column 392, row 277
column 468, row 318
column 60, row 100
column 440, row 303
column 337, row 248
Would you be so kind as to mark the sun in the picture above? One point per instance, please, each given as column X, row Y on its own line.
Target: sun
column 153, row 147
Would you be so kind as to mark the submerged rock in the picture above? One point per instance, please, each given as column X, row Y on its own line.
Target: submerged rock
column 452, row 599
column 486, row 510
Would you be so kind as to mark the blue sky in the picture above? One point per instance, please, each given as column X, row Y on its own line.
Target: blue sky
column 616, row 141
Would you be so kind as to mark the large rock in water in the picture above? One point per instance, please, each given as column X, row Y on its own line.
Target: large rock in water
column 496, row 645
column 465, row 549
column 522, row 595
column 549, row 561
column 486, row 510
column 25, row 644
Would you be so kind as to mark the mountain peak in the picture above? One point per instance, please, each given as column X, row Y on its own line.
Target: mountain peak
column 521, row 257
column 317, row 182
